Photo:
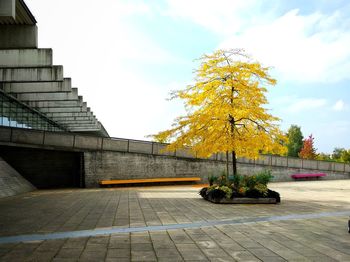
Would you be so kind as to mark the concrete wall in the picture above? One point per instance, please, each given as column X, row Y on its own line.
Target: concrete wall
column 100, row 165
column 73, row 142
column 46, row 168
column 11, row 182
column 114, row 158
column 119, row 165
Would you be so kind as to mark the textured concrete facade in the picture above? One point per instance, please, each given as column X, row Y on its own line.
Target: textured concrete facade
column 101, row 165
column 115, row 158
column 11, row 182
column 29, row 78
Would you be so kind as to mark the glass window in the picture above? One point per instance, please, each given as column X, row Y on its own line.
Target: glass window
column 16, row 114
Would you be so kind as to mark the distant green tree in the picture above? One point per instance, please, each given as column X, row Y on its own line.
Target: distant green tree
column 324, row 156
column 341, row 155
column 295, row 140
column 345, row 156
column 337, row 153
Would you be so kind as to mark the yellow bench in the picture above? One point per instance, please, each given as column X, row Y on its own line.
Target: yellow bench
column 149, row 180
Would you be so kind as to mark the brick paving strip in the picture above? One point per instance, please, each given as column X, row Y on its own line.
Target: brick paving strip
column 200, row 224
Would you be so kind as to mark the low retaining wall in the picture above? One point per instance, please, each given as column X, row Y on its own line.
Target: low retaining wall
column 101, row 165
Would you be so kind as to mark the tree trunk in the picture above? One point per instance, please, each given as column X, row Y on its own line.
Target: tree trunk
column 234, row 163
column 227, row 164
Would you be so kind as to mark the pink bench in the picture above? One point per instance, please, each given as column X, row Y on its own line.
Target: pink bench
column 298, row 176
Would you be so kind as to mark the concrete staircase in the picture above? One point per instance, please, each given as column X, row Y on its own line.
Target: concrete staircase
column 11, row 182
column 28, row 75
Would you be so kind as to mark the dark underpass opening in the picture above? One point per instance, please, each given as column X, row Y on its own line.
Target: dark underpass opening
column 46, row 168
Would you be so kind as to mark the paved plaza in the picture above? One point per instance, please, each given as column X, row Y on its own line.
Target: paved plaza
column 173, row 223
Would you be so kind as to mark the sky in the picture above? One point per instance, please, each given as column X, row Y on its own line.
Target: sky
column 126, row 56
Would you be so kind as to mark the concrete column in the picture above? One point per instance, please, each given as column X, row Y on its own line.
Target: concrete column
column 18, row 36
column 8, row 9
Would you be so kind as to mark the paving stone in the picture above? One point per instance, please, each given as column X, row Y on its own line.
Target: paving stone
column 207, row 244
column 167, row 253
column 118, row 253
column 143, row 256
column 317, row 239
column 142, row 247
column 93, row 255
column 69, row 253
column 242, row 256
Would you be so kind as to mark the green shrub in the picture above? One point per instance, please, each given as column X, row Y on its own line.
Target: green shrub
column 227, row 190
column 264, row 177
column 212, row 179
column 262, row 189
column 237, row 180
column 250, row 181
column 222, row 179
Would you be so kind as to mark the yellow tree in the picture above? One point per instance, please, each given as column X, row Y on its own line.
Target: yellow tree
column 225, row 110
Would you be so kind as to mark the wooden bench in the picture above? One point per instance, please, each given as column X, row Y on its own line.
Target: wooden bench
column 300, row 176
column 149, row 180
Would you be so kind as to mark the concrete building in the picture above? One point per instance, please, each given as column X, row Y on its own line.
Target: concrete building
column 34, row 93
column 50, row 138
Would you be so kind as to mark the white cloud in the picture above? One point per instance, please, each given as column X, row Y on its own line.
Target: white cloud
column 222, row 16
column 306, row 104
column 305, row 48
column 339, row 105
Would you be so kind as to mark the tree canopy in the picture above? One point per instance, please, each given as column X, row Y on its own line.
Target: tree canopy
column 295, row 140
column 226, row 109
column 308, row 151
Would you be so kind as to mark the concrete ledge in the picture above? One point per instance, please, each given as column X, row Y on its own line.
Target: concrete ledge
column 115, row 145
column 159, row 149
column 185, row 153
column 263, row 160
column 309, row 164
column 244, row 200
column 87, row 142
column 25, row 57
column 57, row 139
column 77, row 109
column 27, row 136
column 58, row 96
column 54, row 103
column 30, row 87
column 279, row 161
column 44, row 74
column 294, row 162
column 140, row 147
column 246, row 160
column 324, row 165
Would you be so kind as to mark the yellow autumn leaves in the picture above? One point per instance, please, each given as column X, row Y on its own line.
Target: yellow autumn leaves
column 225, row 109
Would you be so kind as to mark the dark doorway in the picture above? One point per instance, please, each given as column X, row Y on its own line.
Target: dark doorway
column 46, row 168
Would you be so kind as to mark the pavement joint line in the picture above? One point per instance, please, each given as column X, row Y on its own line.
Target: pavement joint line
column 199, row 224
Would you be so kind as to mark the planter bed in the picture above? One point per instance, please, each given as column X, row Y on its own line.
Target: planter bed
column 244, row 200
column 218, row 197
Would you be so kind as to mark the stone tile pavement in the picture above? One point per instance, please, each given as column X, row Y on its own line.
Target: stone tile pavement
column 322, row 238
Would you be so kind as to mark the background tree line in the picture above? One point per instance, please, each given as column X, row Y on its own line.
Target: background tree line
column 304, row 148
